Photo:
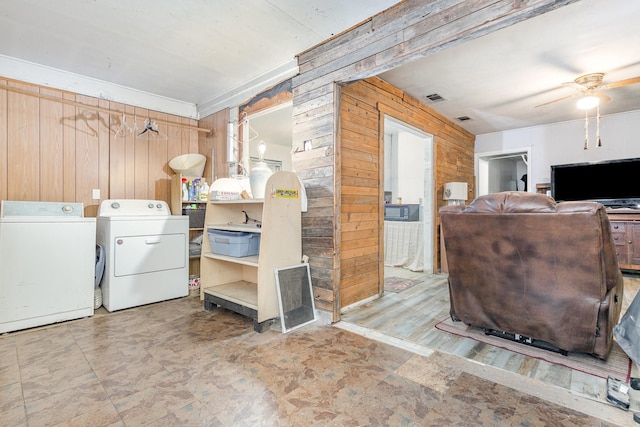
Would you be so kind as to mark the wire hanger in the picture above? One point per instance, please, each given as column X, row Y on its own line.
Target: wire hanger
column 252, row 134
column 123, row 128
column 150, row 126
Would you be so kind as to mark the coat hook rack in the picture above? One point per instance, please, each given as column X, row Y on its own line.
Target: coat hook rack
column 211, row 132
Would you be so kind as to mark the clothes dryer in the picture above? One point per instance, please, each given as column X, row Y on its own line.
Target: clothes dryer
column 146, row 252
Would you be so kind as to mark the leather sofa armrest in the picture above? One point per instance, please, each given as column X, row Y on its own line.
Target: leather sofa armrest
column 452, row 209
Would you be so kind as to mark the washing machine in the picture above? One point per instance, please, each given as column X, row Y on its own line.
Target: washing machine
column 47, row 263
column 146, row 252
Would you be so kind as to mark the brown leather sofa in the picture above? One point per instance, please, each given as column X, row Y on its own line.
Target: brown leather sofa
column 527, row 268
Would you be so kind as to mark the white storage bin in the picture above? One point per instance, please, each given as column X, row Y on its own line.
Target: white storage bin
column 234, row 243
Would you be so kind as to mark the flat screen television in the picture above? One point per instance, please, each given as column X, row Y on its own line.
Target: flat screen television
column 614, row 183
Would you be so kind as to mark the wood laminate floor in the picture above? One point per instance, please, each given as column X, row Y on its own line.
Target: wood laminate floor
column 407, row 319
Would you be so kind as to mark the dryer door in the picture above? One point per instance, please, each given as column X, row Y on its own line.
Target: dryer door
column 146, row 254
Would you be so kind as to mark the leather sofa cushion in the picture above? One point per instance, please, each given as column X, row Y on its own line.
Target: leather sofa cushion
column 512, row 202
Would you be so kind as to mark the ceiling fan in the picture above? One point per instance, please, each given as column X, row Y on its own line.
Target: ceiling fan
column 590, row 89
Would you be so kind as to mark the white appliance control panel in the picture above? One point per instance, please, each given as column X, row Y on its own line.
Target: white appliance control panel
column 133, row 207
column 13, row 208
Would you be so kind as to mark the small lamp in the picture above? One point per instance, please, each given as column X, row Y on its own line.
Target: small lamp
column 262, row 147
column 260, row 173
column 455, row 193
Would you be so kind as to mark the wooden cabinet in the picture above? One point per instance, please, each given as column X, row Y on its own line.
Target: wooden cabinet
column 625, row 227
column 247, row 285
column 178, row 206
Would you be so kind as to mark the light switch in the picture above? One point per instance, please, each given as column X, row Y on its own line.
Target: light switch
column 96, row 194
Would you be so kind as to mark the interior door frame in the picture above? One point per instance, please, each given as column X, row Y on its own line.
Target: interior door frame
column 428, row 198
column 481, row 162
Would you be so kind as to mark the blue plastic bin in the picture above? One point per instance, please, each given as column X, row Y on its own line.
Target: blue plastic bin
column 234, row 243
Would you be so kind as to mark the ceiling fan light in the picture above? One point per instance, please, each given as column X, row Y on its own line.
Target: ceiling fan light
column 588, row 102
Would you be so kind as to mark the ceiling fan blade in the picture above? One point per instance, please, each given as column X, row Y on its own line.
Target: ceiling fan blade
column 626, row 82
column 574, row 85
column 556, row 100
column 603, row 98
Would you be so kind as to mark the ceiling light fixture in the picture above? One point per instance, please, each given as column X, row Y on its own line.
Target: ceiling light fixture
column 588, row 102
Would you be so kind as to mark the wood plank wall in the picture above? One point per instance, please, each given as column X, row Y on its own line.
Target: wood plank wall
column 409, row 30
column 216, row 141
column 51, row 151
column 360, row 227
column 313, row 120
column 363, row 107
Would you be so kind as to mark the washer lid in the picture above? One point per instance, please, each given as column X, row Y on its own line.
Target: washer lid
column 133, row 207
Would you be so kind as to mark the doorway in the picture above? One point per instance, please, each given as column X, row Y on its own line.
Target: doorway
column 408, row 181
column 503, row 171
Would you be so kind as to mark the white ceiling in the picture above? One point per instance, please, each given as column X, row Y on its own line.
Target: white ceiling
column 188, row 50
column 499, row 79
column 199, row 51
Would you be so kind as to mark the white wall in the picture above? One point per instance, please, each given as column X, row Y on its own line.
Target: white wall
column 274, row 152
column 410, row 168
column 389, row 164
column 506, row 174
column 404, row 166
column 561, row 143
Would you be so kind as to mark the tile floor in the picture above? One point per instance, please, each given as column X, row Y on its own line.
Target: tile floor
column 173, row 364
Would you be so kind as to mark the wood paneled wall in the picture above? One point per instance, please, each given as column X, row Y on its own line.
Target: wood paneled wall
column 409, row 30
column 216, row 141
column 52, row 151
column 363, row 106
column 360, row 150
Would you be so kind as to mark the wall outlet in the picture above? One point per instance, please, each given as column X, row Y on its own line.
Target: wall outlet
column 96, row 194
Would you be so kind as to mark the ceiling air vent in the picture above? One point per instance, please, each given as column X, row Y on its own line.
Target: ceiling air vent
column 435, row 97
column 463, row 118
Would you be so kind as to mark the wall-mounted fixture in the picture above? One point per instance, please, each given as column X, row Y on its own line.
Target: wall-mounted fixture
column 96, row 109
column 455, row 193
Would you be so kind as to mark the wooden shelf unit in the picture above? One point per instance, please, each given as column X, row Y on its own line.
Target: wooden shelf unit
column 247, row 285
column 625, row 228
column 177, row 205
